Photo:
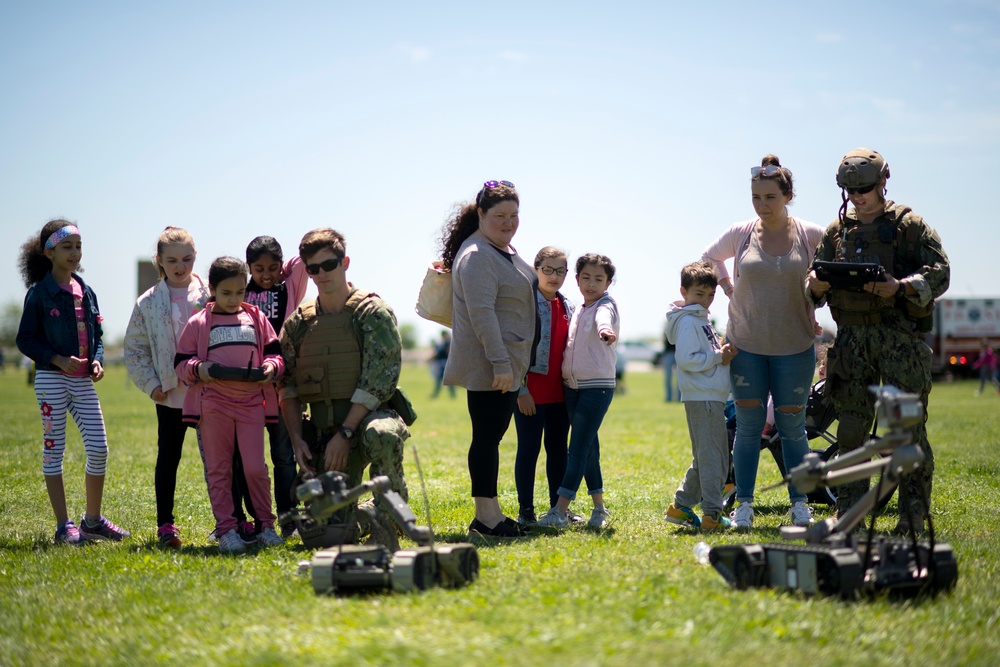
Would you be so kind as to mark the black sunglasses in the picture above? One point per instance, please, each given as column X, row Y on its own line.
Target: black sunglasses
column 328, row 266
column 860, row 191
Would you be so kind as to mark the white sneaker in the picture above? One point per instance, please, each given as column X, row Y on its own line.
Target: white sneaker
column 802, row 514
column 743, row 516
column 269, row 538
column 599, row 518
column 554, row 518
column 231, row 542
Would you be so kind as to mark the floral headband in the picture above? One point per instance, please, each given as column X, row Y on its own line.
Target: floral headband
column 60, row 234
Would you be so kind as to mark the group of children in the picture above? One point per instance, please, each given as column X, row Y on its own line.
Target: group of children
column 570, row 386
column 182, row 328
column 181, row 333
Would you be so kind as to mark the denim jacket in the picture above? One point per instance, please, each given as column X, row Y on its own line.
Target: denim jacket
column 543, row 339
column 48, row 324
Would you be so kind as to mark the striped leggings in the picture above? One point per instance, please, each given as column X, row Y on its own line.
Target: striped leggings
column 57, row 394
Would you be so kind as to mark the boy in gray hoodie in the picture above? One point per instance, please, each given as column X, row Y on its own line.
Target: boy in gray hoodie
column 704, row 385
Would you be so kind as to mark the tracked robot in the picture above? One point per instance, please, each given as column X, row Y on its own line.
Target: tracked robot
column 835, row 559
column 331, row 517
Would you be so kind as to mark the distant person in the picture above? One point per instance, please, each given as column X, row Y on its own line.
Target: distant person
column 702, row 373
column 3, row 362
column 589, row 375
column 229, row 332
column 61, row 332
column 541, row 403
column 880, row 330
column 621, row 365
column 157, row 320
column 669, row 360
column 986, row 363
column 276, row 287
column 771, row 324
column 494, row 329
column 439, row 359
column 29, row 366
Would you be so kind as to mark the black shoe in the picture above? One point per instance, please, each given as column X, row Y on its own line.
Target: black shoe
column 527, row 517
column 506, row 528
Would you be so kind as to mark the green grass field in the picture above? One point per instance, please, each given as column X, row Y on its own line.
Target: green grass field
column 630, row 595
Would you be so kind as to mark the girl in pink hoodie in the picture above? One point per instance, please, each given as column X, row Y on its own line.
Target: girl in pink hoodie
column 231, row 333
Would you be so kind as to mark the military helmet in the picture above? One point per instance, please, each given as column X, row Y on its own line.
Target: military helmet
column 861, row 168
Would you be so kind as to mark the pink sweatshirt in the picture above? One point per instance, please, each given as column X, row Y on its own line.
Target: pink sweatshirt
column 196, row 345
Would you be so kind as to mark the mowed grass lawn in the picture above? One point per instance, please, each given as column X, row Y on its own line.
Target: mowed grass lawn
column 630, row 595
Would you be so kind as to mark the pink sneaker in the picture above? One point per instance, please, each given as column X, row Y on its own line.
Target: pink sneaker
column 68, row 533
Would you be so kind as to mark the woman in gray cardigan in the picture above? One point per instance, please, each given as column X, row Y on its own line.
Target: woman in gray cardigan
column 493, row 332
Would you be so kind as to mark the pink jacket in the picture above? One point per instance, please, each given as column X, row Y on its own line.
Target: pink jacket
column 986, row 358
column 294, row 275
column 192, row 348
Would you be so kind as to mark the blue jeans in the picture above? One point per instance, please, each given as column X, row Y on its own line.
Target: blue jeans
column 669, row 361
column 586, row 408
column 787, row 379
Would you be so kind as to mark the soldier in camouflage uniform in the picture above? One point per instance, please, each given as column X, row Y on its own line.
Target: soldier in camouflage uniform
column 880, row 337
column 343, row 353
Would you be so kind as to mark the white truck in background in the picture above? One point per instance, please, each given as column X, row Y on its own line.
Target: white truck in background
column 959, row 325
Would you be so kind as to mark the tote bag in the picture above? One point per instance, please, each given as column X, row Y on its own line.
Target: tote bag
column 434, row 300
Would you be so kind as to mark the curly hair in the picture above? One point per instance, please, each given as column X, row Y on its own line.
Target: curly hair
column 31, row 260
column 464, row 219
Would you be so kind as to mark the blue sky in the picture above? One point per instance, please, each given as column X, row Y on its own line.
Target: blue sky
column 629, row 128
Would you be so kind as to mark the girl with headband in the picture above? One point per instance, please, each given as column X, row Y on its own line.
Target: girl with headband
column 60, row 331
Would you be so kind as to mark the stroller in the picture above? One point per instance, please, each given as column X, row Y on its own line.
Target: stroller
column 820, row 415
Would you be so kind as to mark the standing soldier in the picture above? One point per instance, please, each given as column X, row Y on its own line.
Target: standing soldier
column 343, row 361
column 880, row 336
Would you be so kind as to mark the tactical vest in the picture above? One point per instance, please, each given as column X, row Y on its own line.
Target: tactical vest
column 886, row 241
column 329, row 357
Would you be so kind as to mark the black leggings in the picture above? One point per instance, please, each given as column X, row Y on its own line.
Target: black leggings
column 490, row 412
column 170, row 432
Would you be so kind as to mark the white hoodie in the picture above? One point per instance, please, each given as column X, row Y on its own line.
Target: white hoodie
column 700, row 373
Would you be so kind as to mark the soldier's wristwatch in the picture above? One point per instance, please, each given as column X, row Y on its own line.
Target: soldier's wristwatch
column 347, row 432
column 901, row 290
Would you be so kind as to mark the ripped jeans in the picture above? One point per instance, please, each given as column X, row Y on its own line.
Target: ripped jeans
column 787, row 379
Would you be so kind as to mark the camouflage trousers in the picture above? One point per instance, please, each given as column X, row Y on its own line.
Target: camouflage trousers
column 865, row 355
column 378, row 446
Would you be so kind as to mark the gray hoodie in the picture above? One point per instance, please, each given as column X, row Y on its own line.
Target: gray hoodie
column 700, row 373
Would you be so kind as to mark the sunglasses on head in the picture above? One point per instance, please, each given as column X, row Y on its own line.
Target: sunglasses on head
column 328, row 266
column 549, row 270
column 489, row 185
column 766, row 170
column 860, row 191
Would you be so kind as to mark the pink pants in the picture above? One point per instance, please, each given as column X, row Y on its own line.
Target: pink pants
column 219, row 423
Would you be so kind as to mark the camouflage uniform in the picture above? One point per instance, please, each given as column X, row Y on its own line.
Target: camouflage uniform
column 882, row 344
column 380, row 436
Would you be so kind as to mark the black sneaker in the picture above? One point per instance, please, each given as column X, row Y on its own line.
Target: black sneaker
column 247, row 532
column 527, row 517
column 506, row 528
column 104, row 530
